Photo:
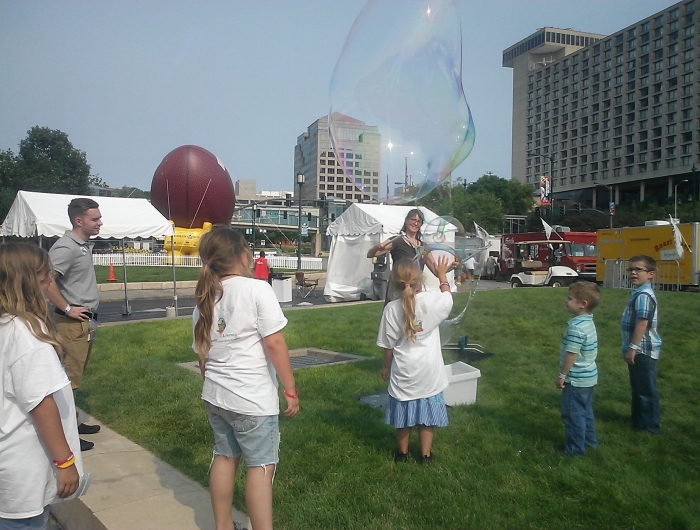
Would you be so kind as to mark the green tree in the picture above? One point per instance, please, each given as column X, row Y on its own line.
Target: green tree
column 46, row 162
column 467, row 207
column 481, row 207
column 516, row 198
column 8, row 181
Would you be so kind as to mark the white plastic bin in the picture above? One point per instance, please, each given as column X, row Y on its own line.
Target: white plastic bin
column 283, row 289
column 462, row 380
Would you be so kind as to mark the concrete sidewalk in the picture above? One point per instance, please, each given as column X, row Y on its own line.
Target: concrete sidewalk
column 134, row 490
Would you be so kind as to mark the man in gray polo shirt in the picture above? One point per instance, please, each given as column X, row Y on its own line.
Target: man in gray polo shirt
column 75, row 294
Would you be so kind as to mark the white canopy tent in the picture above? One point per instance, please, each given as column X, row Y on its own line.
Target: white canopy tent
column 353, row 233
column 46, row 215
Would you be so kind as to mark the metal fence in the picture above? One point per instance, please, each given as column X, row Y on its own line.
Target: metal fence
column 667, row 277
column 156, row 260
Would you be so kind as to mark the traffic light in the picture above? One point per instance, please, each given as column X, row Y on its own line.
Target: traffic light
column 288, row 201
column 577, row 207
column 537, row 211
column 562, row 209
column 332, row 217
column 284, row 214
column 308, row 216
column 257, row 212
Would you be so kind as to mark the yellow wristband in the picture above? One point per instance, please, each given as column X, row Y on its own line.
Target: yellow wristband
column 67, row 463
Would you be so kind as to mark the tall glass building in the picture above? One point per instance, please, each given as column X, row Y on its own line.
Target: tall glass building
column 620, row 112
column 325, row 175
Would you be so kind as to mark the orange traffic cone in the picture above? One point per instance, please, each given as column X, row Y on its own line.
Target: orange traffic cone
column 111, row 278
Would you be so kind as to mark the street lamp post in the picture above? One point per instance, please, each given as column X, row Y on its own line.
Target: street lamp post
column 551, row 195
column 675, row 198
column 255, row 206
column 610, row 190
column 694, row 196
column 300, row 181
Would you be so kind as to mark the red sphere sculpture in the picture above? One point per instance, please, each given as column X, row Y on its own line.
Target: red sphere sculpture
column 192, row 186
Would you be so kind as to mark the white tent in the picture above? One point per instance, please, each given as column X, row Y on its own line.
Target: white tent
column 352, row 234
column 46, row 214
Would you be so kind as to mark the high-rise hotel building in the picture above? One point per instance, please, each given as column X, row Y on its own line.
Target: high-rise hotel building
column 619, row 111
column 325, row 176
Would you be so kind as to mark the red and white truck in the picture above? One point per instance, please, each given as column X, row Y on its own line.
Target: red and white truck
column 576, row 250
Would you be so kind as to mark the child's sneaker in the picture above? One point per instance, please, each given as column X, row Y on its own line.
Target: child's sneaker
column 427, row 459
column 400, row 457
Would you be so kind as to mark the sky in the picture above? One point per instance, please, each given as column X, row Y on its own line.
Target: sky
column 129, row 81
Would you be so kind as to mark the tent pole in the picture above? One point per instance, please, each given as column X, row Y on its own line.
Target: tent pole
column 172, row 253
column 127, row 308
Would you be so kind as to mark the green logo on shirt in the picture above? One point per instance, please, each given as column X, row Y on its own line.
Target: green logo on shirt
column 221, row 325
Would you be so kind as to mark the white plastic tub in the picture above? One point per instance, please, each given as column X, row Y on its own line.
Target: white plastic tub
column 462, row 380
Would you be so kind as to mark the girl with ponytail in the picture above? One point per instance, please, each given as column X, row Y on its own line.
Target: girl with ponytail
column 237, row 327
column 410, row 335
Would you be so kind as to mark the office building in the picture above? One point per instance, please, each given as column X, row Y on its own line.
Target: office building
column 325, row 176
column 619, row 112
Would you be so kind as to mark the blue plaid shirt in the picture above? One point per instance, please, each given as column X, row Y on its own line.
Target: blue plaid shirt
column 642, row 305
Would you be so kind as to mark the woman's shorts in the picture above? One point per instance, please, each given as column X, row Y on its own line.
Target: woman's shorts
column 430, row 412
column 256, row 438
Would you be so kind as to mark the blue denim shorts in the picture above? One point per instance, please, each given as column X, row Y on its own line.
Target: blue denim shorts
column 257, row 438
column 38, row 522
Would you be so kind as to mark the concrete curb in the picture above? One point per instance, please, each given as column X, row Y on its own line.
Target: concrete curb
column 132, row 489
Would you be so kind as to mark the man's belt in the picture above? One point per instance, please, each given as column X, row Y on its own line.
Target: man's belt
column 89, row 314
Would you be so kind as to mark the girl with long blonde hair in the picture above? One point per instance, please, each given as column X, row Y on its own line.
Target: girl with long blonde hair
column 237, row 329
column 39, row 445
column 410, row 335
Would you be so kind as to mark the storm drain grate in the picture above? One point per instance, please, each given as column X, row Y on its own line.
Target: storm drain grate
column 303, row 358
column 304, row 361
column 310, row 357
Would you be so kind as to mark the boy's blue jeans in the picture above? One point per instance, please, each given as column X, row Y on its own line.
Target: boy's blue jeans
column 645, row 398
column 579, row 422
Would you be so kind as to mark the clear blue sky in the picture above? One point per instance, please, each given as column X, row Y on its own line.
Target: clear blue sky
column 129, row 81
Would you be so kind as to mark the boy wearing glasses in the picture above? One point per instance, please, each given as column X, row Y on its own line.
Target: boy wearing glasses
column 641, row 344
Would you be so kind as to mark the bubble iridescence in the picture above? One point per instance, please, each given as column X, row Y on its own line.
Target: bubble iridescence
column 401, row 70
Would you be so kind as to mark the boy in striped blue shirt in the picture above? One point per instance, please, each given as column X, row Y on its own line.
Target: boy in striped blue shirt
column 578, row 373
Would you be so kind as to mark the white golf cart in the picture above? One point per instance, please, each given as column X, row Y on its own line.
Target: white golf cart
column 530, row 276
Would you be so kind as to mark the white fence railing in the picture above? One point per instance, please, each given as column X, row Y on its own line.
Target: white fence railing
column 155, row 260
column 667, row 277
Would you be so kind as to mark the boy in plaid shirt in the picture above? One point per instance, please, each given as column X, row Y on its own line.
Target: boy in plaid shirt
column 641, row 344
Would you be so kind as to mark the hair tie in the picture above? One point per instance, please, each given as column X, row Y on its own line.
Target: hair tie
column 406, row 285
column 205, row 263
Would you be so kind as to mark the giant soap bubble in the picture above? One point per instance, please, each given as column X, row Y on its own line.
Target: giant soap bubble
column 397, row 99
column 445, row 236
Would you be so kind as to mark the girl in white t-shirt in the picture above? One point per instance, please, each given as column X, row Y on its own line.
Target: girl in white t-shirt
column 413, row 364
column 39, row 447
column 237, row 328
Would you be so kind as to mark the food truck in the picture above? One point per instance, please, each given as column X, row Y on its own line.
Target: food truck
column 617, row 245
column 576, row 250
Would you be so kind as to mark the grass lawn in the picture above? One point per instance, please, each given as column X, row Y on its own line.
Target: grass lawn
column 137, row 273
column 496, row 464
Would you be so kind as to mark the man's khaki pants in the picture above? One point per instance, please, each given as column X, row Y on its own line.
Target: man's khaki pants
column 74, row 336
